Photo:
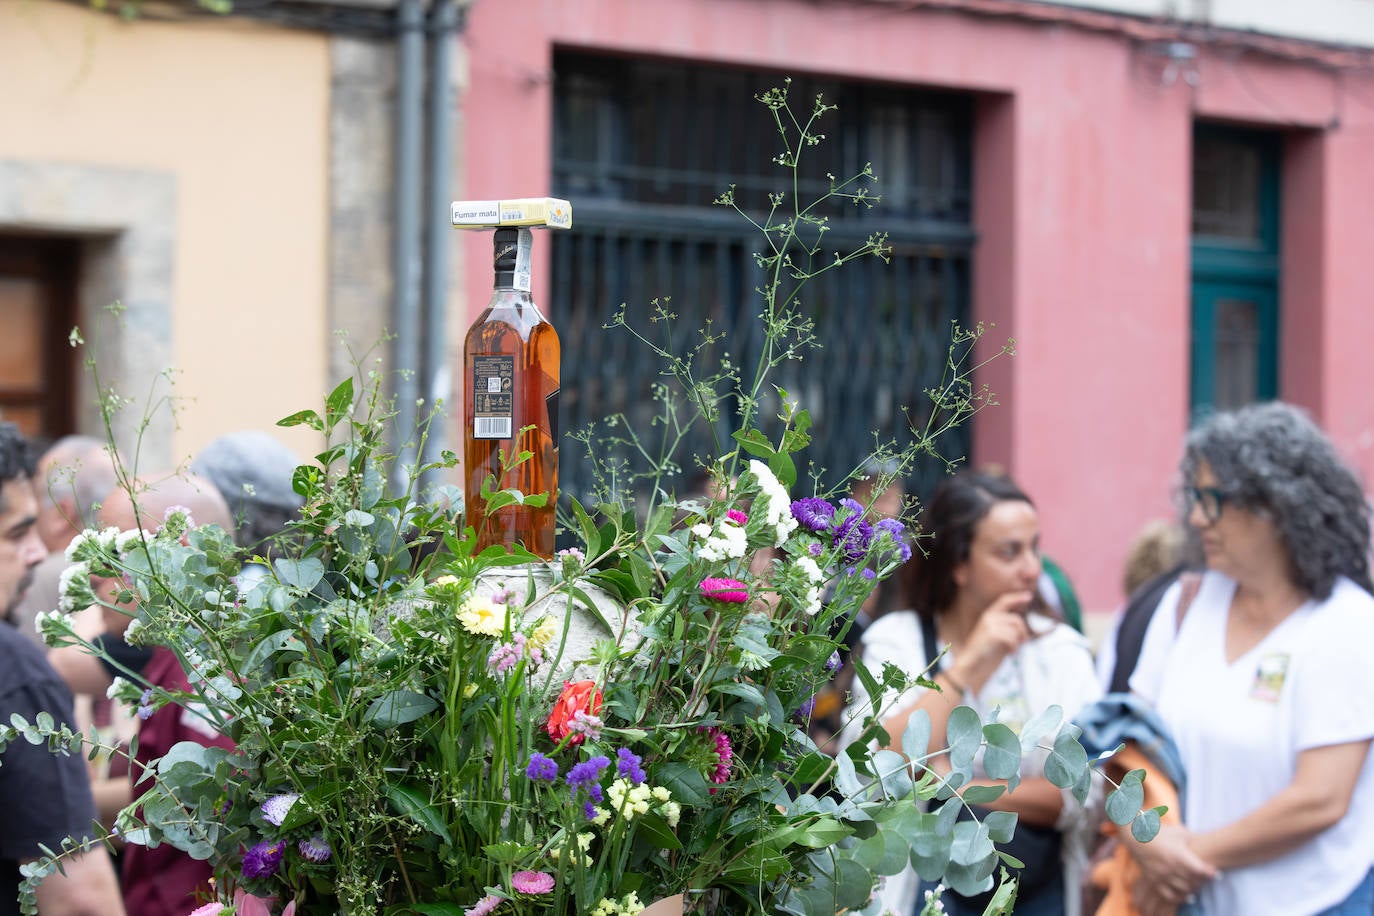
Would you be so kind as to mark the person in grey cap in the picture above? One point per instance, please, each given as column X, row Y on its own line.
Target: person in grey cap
column 253, row 472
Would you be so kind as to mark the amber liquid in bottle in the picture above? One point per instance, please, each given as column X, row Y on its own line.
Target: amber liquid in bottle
column 511, row 361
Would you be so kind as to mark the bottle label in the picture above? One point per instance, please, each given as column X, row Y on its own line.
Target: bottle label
column 524, row 244
column 493, row 397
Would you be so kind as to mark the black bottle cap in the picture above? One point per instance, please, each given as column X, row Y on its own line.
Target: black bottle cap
column 507, row 243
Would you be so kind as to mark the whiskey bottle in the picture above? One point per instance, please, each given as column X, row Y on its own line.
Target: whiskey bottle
column 511, row 360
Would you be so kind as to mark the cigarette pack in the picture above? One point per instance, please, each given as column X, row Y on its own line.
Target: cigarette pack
column 535, row 212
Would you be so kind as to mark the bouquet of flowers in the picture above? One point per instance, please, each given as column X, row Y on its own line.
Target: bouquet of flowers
column 420, row 727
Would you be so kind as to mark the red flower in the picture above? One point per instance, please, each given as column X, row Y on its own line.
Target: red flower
column 577, row 696
column 732, row 590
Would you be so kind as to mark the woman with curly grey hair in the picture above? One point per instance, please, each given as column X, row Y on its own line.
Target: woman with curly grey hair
column 1261, row 671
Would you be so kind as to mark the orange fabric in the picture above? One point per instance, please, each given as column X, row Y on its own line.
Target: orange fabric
column 1116, row 875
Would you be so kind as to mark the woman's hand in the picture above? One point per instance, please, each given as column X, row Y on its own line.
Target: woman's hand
column 1170, row 871
column 1000, row 631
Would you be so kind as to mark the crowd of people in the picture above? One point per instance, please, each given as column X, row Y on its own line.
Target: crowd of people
column 1234, row 671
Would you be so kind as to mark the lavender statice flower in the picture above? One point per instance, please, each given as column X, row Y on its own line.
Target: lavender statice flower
column 853, row 535
column 263, row 860
column 804, row 711
column 145, row 705
column 833, row 663
column 897, row 531
column 315, row 849
column 541, row 768
column 813, row 513
column 587, row 775
column 629, row 766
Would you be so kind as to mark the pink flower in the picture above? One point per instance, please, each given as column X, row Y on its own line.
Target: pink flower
column 210, row 909
column 532, row 882
column 483, row 907
column 724, row 755
column 730, row 590
column 736, row 516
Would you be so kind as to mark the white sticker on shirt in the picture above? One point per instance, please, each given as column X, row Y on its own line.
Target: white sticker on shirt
column 1269, row 676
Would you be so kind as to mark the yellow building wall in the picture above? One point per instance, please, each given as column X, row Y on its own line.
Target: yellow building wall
column 238, row 114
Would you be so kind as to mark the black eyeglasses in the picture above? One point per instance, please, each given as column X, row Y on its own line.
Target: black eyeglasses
column 1209, row 499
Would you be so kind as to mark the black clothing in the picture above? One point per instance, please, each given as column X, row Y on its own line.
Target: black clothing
column 44, row 797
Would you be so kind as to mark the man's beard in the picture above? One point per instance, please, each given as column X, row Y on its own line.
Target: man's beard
column 20, row 590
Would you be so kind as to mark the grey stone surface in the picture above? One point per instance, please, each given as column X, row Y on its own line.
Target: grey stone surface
column 128, row 218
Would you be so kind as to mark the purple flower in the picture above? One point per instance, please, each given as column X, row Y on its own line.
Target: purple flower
column 813, row 513
column 541, row 767
column 853, row 535
column 629, row 766
column 589, row 810
column 832, row 664
column 145, row 705
column 805, row 710
column 275, row 809
column 587, row 774
column 263, row 860
column 315, row 849
column 897, row 532
column 869, row 574
column 815, row 548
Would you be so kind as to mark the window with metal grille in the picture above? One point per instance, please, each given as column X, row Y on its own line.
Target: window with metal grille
column 643, row 147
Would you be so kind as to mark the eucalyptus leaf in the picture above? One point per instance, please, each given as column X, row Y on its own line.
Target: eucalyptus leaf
column 1145, row 827
column 916, row 735
column 1001, row 752
column 1124, row 802
column 965, row 735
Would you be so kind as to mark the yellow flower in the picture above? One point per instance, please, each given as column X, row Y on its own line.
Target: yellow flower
column 482, row 616
column 544, row 633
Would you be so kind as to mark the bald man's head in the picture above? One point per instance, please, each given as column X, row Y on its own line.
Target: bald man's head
column 154, row 496
column 74, row 476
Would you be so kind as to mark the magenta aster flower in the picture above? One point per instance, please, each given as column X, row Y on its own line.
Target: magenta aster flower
column 484, row 907
column 724, row 754
column 732, row 591
column 532, row 882
column 736, row 516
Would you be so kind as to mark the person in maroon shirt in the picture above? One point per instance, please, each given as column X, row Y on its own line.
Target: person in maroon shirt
column 162, row 881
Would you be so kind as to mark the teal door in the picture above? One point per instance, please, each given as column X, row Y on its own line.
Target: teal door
column 1235, row 269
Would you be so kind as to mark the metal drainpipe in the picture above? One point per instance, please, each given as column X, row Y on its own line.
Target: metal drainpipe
column 410, row 50
column 443, row 24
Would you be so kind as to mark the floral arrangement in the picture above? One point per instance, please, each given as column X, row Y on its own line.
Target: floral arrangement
column 423, row 728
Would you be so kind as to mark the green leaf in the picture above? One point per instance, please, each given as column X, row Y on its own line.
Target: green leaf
column 1002, row 751
column 965, row 736
column 846, row 780
column 892, row 771
column 339, row 401
column 1124, row 802
column 1145, row 827
column 303, row 418
column 414, row 804
column 1066, row 761
column 685, row 782
column 983, row 795
column 916, row 735
column 303, row 574
column 1001, row 825
column 434, row 909
column 399, row 707
column 757, row 865
column 755, row 443
column 1040, row 726
column 655, row 829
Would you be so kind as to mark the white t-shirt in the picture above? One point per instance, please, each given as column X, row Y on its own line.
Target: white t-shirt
column 1240, row 727
column 1053, row 669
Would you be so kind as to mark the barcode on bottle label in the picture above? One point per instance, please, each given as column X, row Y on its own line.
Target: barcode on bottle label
column 493, row 385
column 491, row 428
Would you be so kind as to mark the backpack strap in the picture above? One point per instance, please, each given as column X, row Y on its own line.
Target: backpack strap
column 931, row 641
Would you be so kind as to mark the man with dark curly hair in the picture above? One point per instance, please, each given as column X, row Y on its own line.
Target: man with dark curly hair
column 45, row 797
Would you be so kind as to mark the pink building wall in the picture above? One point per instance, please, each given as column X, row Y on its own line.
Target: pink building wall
column 1082, row 202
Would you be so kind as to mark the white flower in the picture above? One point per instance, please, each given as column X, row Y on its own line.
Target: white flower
column 54, row 626
column 727, row 542
column 131, row 634
column 115, row 686
column 74, row 588
column 275, row 809
column 127, row 540
column 774, row 502
column 810, row 569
